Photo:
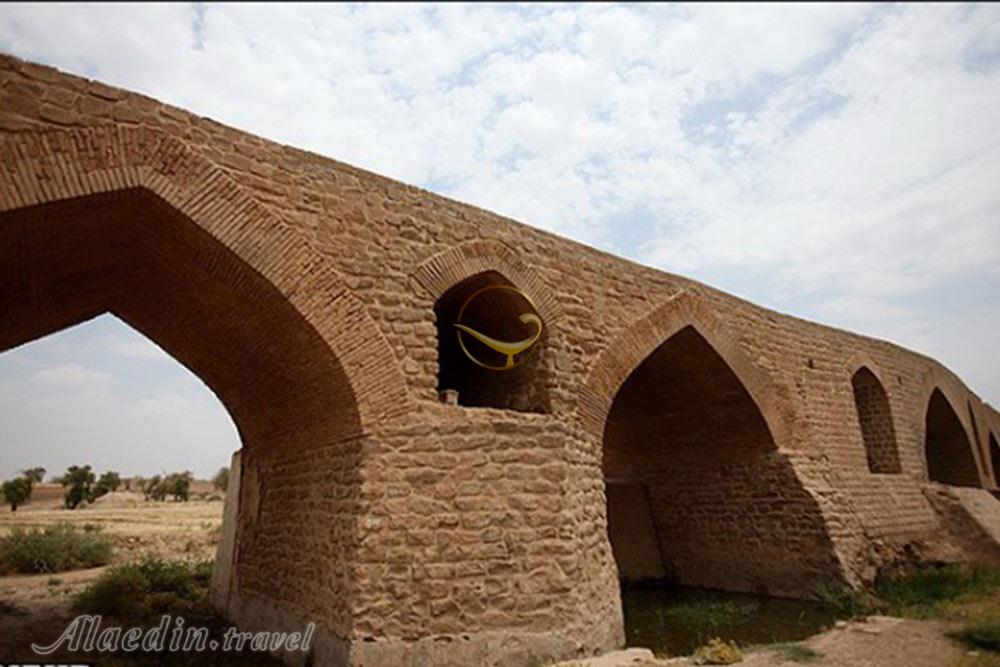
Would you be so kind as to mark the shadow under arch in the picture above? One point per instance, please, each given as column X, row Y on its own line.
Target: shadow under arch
column 698, row 491
column 642, row 337
column 131, row 254
column 947, row 447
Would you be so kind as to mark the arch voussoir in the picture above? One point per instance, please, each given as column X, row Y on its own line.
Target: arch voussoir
column 643, row 336
column 45, row 166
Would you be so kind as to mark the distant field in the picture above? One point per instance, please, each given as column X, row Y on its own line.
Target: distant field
column 50, row 496
column 38, row 605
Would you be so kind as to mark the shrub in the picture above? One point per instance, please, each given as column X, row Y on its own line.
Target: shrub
column 142, row 592
column 53, row 549
column 844, row 601
column 926, row 593
column 717, row 652
column 982, row 633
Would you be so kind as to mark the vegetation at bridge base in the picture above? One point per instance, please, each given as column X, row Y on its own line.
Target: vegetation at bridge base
column 717, row 652
column 142, row 592
column 139, row 594
column 939, row 592
column 53, row 549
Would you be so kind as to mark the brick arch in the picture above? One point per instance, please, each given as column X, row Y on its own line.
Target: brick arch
column 690, row 459
column 49, row 166
column 641, row 338
column 939, row 379
column 439, row 273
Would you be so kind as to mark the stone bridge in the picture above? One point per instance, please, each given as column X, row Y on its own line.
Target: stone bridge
column 659, row 429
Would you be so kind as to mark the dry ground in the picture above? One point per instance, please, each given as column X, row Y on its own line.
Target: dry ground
column 878, row 641
column 36, row 608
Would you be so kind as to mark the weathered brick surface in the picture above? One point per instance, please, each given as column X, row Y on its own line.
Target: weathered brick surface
column 303, row 291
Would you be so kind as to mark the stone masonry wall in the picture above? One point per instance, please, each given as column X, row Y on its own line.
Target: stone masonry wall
column 425, row 532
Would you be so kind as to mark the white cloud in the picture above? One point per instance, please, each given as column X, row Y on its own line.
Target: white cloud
column 836, row 161
column 135, row 348
column 73, row 378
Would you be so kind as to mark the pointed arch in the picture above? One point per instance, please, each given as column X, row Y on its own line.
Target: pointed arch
column 640, row 339
column 134, row 222
column 450, row 273
column 947, row 446
column 692, row 467
column 439, row 273
column 875, row 422
column 51, row 166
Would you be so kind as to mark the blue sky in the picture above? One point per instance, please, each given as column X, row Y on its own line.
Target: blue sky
column 836, row 162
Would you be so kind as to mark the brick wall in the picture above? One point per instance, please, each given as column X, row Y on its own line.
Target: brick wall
column 303, row 291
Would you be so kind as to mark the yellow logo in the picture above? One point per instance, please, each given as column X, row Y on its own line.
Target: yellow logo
column 508, row 349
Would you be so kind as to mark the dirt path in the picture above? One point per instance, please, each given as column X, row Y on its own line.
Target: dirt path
column 36, row 608
column 878, row 641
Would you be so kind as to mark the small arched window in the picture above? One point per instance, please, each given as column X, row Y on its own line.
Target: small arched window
column 875, row 419
column 490, row 305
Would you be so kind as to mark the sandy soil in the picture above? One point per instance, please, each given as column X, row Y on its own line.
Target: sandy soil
column 878, row 641
column 36, row 608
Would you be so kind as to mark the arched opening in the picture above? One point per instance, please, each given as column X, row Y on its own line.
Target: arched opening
column 697, row 492
column 488, row 305
column 995, row 458
column 131, row 254
column 875, row 420
column 946, row 445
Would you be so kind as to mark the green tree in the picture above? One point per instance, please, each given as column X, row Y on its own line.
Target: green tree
column 154, row 488
column 34, row 475
column 178, row 485
column 221, row 479
column 16, row 492
column 79, row 484
column 108, row 483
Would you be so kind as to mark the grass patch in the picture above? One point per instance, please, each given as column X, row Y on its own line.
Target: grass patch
column 981, row 633
column 142, row 592
column 977, row 660
column 53, row 549
column 795, row 652
column 932, row 593
column 845, row 602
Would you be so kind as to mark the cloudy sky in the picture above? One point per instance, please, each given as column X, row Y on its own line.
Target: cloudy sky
column 837, row 162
